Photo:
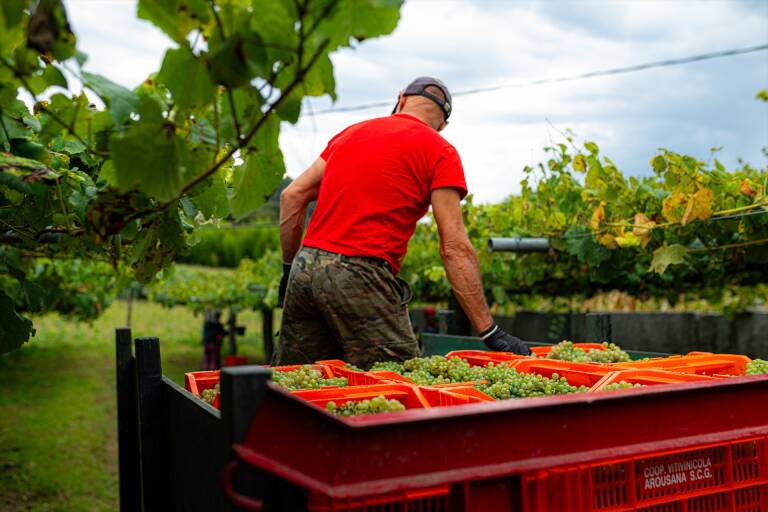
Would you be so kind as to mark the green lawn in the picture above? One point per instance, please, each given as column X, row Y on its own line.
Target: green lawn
column 58, row 446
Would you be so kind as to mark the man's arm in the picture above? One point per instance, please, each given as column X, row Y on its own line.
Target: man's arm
column 459, row 257
column 293, row 207
column 463, row 271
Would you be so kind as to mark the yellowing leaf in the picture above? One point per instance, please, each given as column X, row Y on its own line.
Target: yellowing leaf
column 666, row 256
column 628, row 239
column 609, row 241
column 579, row 163
column 699, row 206
column 643, row 225
column 670, row 207
column 643, row 228
column 598, row 216
column 746, row 188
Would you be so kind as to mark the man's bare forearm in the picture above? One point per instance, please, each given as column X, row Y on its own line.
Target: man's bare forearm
column 463, row 271
column 293, row 208
column 293, row 213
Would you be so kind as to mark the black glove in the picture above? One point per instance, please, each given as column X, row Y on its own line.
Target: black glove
column 499, row 341
column 283, row 284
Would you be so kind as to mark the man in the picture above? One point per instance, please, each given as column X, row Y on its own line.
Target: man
column 372, row 183
column 213, row 336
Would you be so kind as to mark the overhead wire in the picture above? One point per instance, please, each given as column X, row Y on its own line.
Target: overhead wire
column 569, row 78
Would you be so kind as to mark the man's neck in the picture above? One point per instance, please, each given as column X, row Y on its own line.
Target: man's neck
column 418, row 115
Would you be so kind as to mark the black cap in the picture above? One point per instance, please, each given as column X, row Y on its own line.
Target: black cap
column 418, row 88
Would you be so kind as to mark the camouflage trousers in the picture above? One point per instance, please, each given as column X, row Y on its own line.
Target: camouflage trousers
column 350, row 308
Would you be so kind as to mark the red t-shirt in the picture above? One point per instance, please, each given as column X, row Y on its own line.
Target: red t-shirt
column 377, row 183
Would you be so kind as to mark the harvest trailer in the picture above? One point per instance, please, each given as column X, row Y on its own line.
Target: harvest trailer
column 699, row 446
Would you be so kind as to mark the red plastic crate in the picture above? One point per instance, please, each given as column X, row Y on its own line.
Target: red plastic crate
column 434, row 499
column 649, row 377
column 355, row 378
column 724, row 477
column 696, row 362
column 235, row 360
column 452, row 394
column 197, row 382
column 410, row 396
column 544, row 351
column 577, row 374
column 482, row 358
column 325, row 370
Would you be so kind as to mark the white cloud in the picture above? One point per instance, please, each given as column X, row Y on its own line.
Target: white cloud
column 472, row 44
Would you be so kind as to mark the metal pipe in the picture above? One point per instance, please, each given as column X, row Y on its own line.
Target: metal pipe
column 518, row 244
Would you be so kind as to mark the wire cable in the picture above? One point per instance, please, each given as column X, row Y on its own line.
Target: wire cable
column 571, row 78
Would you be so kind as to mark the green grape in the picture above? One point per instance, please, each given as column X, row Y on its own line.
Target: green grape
column 209, row 395
column 504, row 383
column 567, row 351
column 611, row 354
column 350, row 366
column 390, row 366
column 620, row 385
column 432, row 370
column 375, row 405
column 757, row 367
column 305, row 377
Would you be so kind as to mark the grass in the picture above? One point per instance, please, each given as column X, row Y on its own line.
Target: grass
column 58, row 447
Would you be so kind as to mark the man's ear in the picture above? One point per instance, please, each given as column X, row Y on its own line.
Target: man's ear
column 442, row 126
column 400, row 102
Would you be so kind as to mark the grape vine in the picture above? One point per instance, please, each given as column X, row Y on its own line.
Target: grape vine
column 691, row 228
column 129, row 184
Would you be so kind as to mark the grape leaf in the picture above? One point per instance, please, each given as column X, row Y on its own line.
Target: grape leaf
column 146, row 156
column 187, row 78
column 175, row 17
column 240, row 59
column 699, row 206
column 275, row 24
column 667, row 255
column 121, row 102
column 255, row 181
column 361, row 20
column 212, row 200
column 15, row 330
column 579, row 163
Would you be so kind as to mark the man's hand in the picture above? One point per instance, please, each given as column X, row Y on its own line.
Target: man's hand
column 499, row 341
column 283, row 284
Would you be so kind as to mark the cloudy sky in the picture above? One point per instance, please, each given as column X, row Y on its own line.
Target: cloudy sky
column 689, row 108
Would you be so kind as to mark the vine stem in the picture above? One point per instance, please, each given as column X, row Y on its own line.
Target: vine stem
column 230, row 95
column 244, row 142
column 50, row 113
column 732, row 246
column 63, row 205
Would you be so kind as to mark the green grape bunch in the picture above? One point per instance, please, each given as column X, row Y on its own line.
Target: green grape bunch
column 209, row 395
column 757, row 367
column 568, row 351
column 305, row 377
column 427, row 371
column 377, row 405
column 389, row 366
column 616, row 386
column 504, row 383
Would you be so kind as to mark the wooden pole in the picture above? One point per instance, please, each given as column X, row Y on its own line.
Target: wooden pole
column 232, row 332
column 267, row 328
column 155, row 482
column 129, row 472
column 129, row 304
